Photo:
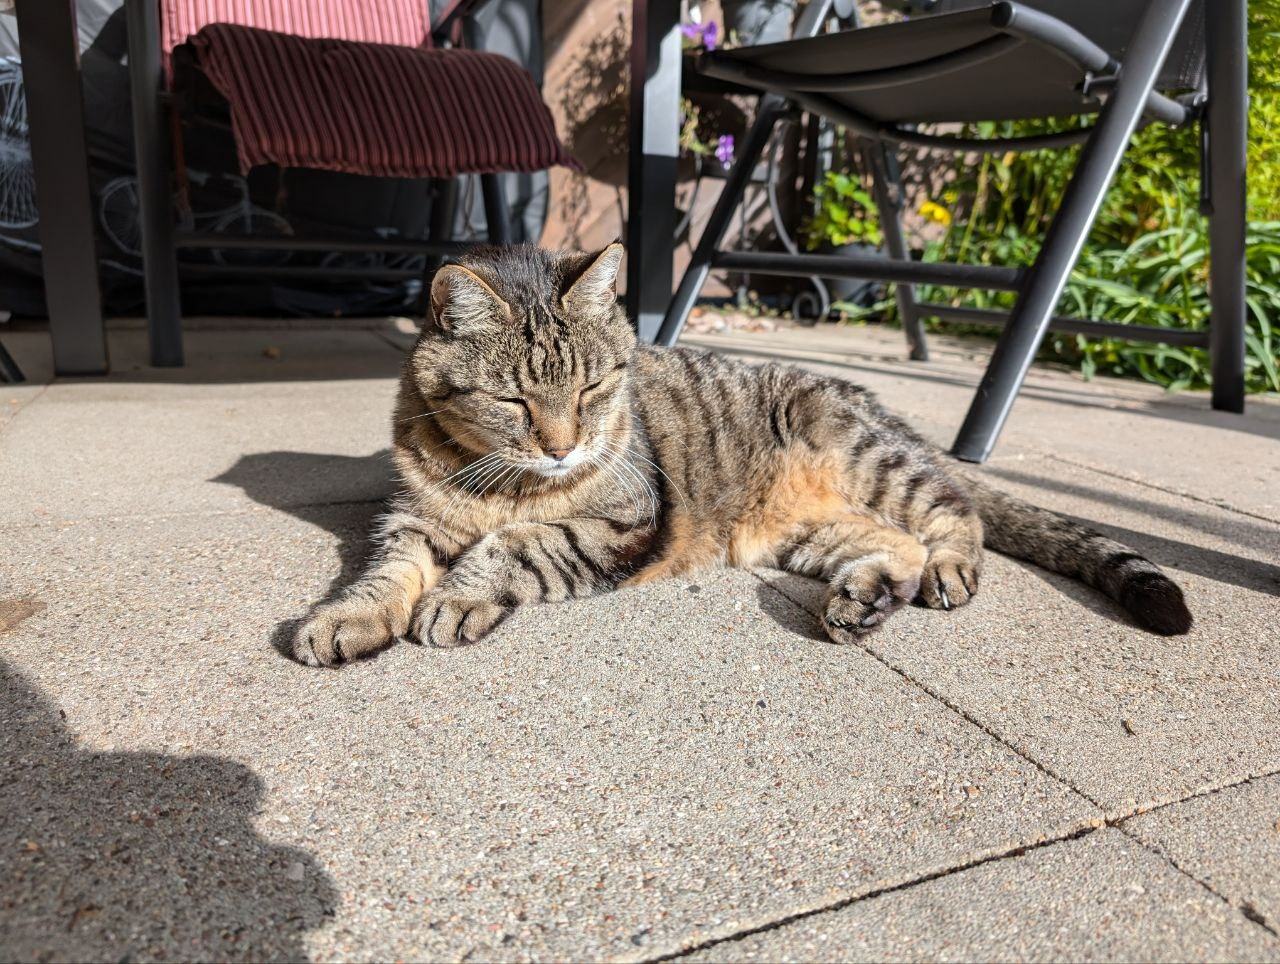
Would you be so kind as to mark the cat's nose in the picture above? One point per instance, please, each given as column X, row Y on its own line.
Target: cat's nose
column 559, row 454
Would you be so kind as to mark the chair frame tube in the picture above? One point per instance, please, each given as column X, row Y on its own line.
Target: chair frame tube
column 1228, row 125
column 1099, row 160
column 155, row 204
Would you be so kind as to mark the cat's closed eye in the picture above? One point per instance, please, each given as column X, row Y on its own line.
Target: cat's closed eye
column 604, row 378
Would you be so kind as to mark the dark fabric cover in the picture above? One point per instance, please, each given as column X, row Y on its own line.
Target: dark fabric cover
column 377, row 109
column 1027, row 81
column 1111, row 23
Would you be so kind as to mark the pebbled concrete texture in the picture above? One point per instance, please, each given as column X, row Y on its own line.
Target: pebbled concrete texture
column 627, row 777
column 1055, row 668
column 596, row 778
column 1229, row 839
column 308, row 424
column 1100, row 897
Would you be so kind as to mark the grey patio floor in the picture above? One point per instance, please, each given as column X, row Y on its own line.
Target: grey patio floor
column 684, row 768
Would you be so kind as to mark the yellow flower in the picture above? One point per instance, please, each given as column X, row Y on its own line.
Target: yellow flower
column 935, row 212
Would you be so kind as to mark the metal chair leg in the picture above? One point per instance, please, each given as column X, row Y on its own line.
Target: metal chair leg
column 48, row 45
column 9, row 370
column 1228, row 128
column 1067, row 234
column 735, row 185
column 497, row 217
column 886, row 178
column 159, row 255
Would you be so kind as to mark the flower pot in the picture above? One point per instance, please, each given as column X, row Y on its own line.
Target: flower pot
column 755, row 22
column 859, row 292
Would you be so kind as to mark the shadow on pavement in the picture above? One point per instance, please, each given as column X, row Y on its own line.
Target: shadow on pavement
column 267, row 478
column 127, row 856
column 1171, row 553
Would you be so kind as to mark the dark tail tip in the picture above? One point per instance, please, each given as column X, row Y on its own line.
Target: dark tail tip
column 1155, row 601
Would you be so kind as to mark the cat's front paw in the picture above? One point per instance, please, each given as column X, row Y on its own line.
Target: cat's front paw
column 341, row 631
column 865, row 594
column 451, row 618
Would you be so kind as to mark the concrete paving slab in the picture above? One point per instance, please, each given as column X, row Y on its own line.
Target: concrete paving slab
column 1058, row 671
column 1230, row 840
column 13, row 398
column 231, row 351
column 1098, row 898
column 1184, row 445
column 205, row 438
column 614, row 777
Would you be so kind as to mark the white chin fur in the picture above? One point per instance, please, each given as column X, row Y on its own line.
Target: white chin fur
column 551, row 469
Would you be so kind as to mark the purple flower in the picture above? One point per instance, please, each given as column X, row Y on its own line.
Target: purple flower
column 724, row 149
column 705, row 34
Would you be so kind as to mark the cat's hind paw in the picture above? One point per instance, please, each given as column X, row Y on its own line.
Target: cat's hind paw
column 866, row 595
column 949, row 581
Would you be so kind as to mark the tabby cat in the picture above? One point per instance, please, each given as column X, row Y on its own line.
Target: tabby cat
column 543, row 456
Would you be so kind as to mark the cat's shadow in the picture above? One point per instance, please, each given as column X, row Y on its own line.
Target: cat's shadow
column 341, row 494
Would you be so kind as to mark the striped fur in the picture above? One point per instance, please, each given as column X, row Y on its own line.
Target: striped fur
column 677, row 460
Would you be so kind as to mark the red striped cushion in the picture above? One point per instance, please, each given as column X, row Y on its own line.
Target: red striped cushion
column 404, row 22
column 376, row 109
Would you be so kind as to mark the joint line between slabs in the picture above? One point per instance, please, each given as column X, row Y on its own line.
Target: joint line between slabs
column 845, row 902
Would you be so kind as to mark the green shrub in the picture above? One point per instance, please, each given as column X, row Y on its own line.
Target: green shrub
column 843, row 214
column 1147, row 258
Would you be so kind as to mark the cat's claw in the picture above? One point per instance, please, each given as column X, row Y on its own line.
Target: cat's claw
column 948, row 582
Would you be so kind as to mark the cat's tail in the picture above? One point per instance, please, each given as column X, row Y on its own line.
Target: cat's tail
column 1024, row 531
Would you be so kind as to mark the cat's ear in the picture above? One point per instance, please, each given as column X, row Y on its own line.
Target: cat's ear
column 594, row 290
column 461, row 300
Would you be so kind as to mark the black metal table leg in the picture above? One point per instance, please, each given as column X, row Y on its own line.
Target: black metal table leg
column 1228, row 119
column 886, row 177
column 151, row 150
column 55, row 116
column 1070, row 228
column 497, row 216
column 653, row 153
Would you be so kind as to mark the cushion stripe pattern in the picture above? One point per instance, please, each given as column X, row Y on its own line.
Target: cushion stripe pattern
column 378, row 109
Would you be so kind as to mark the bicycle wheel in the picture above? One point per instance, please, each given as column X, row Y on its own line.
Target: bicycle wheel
column 118, row 212
column 256, row 222
column 17, row 176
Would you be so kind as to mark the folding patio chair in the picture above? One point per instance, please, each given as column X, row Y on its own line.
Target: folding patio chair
column 1128, row 62
column 357, row 86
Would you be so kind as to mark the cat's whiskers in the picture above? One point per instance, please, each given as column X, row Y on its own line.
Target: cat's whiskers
column 616, row 463
column 423, row 415
column 604, row 461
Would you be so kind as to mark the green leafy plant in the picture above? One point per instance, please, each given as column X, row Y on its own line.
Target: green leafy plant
column 1147, row 258
column 844, row 213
